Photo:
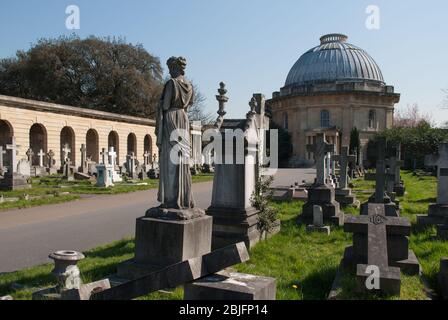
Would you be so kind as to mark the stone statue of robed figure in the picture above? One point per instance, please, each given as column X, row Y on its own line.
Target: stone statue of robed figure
column 173, row 141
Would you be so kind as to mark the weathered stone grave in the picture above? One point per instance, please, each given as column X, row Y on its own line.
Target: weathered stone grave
column 380, row 195
column 104, row 174
column 382, row 241
column 234, row 217
column 343, row 193
column 51, row 169
column 318, row 222
column 395, row 164
column 112, row 155
column 12, row 179
column 320, row 193
column 438, row 212
column 443, row 278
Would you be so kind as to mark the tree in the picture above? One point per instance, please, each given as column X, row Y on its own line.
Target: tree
column 284, row 142
column 98, row 73
column 196, row 111
column 355, row 143
column 411, row 117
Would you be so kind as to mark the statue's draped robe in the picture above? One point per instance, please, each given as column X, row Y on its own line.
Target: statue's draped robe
column 175, row 178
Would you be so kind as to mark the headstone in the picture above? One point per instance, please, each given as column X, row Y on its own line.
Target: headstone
column 438, row 212
column 41, row 156
column 320, row 193
column 343, row 193
column 104, row 176
column 283, row 193
column 2, row 164
column 68, row 172
column 234, row 217
column 380, row 195
column 318, row 222
column 13, row 180
column 231, row 286
column 50, row 163
column 131, row 166
column 116, row 177
column 395, row 164
column 30, row 155
column 443, row 278
column 84, row 166
column 24, row 168
column 66, row 153
column 382, row 241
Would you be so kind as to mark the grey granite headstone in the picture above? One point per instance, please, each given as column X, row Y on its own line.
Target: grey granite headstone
column 318, row 222
column 438, row 212
column 443, row 278
column 343, row 193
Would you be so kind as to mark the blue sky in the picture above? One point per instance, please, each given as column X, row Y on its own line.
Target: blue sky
column 252, row 44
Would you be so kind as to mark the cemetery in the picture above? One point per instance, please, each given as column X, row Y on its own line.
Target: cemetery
column 116, row 183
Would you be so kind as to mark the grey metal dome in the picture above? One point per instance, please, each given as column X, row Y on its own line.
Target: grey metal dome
column 334, row 59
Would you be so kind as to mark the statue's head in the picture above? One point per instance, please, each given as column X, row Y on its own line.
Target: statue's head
column 177, row 66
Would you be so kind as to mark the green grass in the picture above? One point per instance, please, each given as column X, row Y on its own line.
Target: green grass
column 57, row 185
column 304, row 264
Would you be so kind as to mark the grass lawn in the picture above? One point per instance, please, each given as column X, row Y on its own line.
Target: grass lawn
column 304, row 264
column 57, row 188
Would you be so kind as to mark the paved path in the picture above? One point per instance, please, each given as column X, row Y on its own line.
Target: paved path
column 27, row 236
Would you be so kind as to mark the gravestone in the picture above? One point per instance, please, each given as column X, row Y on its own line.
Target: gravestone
column 84, row 164
column 116, row 177
column 3, row 169
column 443, row 278
column 13, row 180
column 131, row 166
column 343, row 193
column 234, row 217
column 103, row 155
column 24, row 168
column 104, row 176
column 442, row 230
column 320, row 193
column 381, row 241
column 231, row 286
column 50, row 163
column 380, row 195
column 318, row 222
column 395, row 164
column 30, row 155
column 283, row 193
column 438, row 212
column 67, row 170
column 398, row 231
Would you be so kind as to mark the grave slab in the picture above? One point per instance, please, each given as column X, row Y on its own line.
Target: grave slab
column 231, row 286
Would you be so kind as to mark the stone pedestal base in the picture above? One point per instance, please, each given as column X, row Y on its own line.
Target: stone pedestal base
column 443, row 278
column 14, row 182
column 323, row 196
column 231, row 286
column 346, row 198
column 437, row 213
column 83, row 293
column 324, row 229
column 160, row 243
column 399, row 189
column 391, row 208
column 233, row 225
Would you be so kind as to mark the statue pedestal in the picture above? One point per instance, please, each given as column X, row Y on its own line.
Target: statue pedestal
column 163, row 242
column 345, row 197
column 324, row 197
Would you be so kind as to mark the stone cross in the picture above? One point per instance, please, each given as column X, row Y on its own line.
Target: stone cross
column 30, row 154
column 131, row 163
column 112, row 157
column 441, row 161
column 380, row 176
column 2, row 152
column 66, row 151
column 154, row 158
column 146, row 158
column 50, row 156
column 345, row 159
column 103, row 156
column 320, row 150
column 13, row 147
column 41, row 155
column 378, row 225
column 394, row 163
column 318, row 216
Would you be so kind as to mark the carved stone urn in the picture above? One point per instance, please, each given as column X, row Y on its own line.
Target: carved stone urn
column 65, row 269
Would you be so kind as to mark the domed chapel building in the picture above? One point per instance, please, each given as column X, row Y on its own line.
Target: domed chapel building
column 332, row 88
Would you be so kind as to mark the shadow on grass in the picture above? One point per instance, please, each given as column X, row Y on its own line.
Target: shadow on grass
column 318, row 284
column 120, row 248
